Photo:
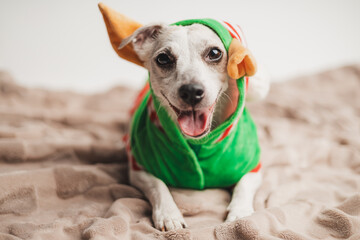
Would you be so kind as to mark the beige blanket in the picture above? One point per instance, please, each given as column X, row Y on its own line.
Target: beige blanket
column 63, row 174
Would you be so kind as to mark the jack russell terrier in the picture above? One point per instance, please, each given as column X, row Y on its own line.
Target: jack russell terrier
column 190, row 128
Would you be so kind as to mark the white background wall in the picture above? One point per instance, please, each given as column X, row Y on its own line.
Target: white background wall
column 64, row 44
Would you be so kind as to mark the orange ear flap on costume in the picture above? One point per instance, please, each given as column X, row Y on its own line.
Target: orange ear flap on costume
column 241, row 62
column 120, row 27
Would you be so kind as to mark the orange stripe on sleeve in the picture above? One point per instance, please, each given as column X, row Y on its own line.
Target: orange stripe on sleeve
column 257, row 168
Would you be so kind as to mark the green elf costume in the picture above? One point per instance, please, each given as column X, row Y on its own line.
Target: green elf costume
column 155, row 143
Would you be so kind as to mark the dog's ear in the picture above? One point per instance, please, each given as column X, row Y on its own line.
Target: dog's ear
column 119, row 27
column 241, row 62
column 142, row 39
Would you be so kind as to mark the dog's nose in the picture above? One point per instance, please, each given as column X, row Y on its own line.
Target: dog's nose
column 191, row 93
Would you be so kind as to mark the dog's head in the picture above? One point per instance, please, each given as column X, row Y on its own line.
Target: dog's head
column 188, row 68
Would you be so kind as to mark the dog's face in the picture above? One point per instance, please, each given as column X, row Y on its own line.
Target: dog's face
column 187, row 66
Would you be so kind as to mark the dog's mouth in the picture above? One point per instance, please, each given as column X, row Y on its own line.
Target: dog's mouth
column 195, row 122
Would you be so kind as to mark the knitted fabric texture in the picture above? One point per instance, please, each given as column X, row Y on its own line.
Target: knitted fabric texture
column 220, row 159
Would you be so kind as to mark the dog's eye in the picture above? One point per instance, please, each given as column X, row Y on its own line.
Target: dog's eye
column 214, row 55
column 163, row 60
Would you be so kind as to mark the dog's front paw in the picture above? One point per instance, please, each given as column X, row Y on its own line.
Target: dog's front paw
column 167, row 219
column 236, row 213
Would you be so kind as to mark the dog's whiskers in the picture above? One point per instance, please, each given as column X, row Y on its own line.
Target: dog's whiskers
column 226, row 95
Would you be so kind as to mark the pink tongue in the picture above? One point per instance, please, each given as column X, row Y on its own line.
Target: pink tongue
column 194, row 123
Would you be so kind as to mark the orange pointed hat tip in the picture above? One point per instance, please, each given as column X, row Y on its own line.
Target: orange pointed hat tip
column 120, row 27
column 101, row 6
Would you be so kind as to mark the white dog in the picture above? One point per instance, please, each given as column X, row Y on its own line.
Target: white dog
column 188, row 76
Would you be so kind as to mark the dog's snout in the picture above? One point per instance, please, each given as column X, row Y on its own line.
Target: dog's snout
column 191, row 93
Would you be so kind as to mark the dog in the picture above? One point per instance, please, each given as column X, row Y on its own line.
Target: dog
column 191, row 88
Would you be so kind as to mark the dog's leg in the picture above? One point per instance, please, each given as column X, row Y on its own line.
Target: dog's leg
column 166, row 215
column 241, row 204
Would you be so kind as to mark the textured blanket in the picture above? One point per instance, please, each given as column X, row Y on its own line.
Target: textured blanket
column 63, row 173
